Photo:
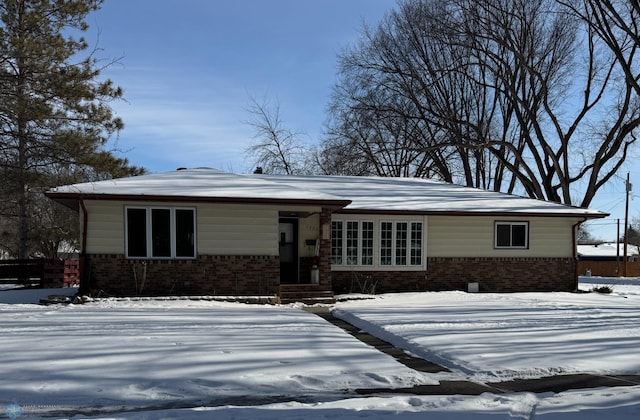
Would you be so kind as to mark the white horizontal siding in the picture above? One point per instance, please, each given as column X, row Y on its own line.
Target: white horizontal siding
column 237, row 230
column 105, row 234
column 222, row 229
column 473, row 236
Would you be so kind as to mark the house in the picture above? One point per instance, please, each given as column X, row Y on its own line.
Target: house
column 607, row 259
column 207, row 232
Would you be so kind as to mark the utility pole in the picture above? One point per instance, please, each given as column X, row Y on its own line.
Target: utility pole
column 626, row 223
column 618, row 250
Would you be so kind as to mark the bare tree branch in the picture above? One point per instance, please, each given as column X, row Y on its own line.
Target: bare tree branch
column 276, row 148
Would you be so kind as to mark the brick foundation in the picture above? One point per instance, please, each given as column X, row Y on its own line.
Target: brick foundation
column 372, row 282
column 206, row 275
column 260, row 275
column 503, row 274
column 492, row 274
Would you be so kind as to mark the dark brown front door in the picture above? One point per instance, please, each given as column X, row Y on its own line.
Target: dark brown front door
column 288, row 251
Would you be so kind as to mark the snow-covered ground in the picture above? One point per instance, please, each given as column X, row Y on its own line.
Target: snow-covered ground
column 498, row 337
column 131, row 359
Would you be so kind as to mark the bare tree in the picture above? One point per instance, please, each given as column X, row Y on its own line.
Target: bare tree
column 511, row 95
column 616, row 24
column 575, row 113
column 585, row 237
column 405, row 82
column 276, row 148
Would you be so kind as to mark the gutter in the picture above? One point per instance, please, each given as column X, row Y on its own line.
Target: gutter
column 85, row 220
column 83, row 246
column 70, row 199
column 575, row 249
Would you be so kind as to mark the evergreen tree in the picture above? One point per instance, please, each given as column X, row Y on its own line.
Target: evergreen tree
column 55, row 118
column 633, row 232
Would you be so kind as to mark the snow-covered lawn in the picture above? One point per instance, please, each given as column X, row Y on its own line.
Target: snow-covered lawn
column 496, row 337
column 135, row 353
column 280, row 362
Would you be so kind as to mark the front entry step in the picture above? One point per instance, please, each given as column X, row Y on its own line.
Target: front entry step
column 305, row 293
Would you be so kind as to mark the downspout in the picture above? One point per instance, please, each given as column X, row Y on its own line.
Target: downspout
column 575, row 252
column 83, row 248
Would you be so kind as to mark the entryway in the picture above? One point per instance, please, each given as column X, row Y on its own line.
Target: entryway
column 288, row 244
column 296, row 283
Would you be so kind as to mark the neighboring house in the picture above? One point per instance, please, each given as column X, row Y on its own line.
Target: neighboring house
column 203, row 231
column 607, row 259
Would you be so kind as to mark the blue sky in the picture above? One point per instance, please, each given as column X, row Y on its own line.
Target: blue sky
column 189, row 68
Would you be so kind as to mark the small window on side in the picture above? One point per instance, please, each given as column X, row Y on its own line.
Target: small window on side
column 511, row 235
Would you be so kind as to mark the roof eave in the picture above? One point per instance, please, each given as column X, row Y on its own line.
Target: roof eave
column 471, row 213
column 72, row 200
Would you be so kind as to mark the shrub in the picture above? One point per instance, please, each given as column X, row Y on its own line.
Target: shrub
column 602, row 289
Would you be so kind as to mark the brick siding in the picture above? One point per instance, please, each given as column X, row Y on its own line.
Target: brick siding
column 372, row 282
column 206, row 275
column 492, row 274
column 325, row 250
column 260, row 275
column 504, row 274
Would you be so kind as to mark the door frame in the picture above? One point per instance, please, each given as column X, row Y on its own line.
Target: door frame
column 290, row 274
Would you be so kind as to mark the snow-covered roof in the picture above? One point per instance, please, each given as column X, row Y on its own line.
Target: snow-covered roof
column 606, row 250
column 371, row 194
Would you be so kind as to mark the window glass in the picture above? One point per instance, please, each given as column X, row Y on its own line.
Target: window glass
column 352, row 243
column 416, row 243
column 336, row 242
column 401, row 243
column 367, row 243
column 137, row 232
column 503, row 235
column 386, row 235
column 519, row 236
column 511, row 234
column 185, row 232
column 161, row 232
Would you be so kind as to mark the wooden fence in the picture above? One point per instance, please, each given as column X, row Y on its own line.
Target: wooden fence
column 608, row 268
column 40, row 272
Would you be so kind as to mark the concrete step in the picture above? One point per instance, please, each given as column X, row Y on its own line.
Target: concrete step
column 305, row 293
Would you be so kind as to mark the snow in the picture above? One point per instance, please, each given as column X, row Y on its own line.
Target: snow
column 363, row 193
column 157, row 359
column 19, row 295
column 607, row 250
column 498, row 337
column 197, row 183
column 424, row 195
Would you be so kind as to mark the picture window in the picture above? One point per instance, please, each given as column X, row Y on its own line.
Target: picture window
column 158, row 232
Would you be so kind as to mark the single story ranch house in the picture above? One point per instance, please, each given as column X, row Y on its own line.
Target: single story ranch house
column 207, row 232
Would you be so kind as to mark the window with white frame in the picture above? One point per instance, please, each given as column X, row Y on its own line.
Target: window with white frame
column 416, row 243
column 511, row 235
column 401, row 243
column 386, row 243
column 367, row 243
column 336, row 243
column 160, row 232
column 353, row 243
